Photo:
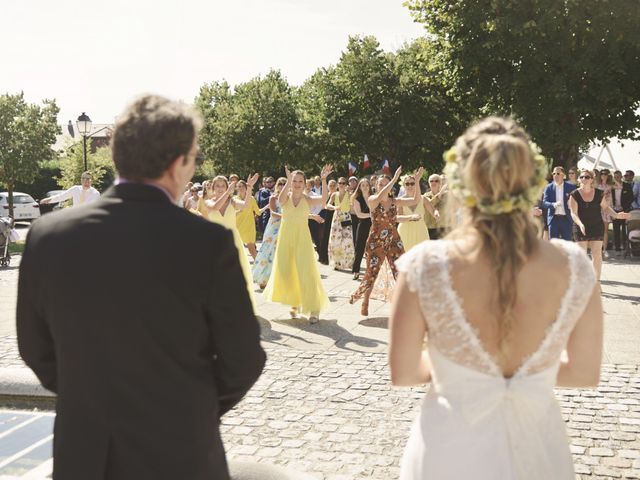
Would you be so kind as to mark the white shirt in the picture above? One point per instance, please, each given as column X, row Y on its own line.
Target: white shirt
column 318, row 193
column 78, row 194
column 559, row 210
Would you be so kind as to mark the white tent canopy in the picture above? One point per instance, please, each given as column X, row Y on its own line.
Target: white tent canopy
column 617, row 155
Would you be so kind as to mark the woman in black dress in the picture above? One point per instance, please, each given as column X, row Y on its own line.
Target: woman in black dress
column 325, row 228
column 587, row 204
column 361, row 209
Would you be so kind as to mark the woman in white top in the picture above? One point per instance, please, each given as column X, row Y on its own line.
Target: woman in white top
column 485, row 315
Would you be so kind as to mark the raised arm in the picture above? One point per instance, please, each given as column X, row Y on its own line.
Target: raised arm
column 417, row 194
column 284, row 193
column 374, row 199
column 321, row 200
column 240, row 205
column 219, row 202
column 428, row 206
column 273, row 207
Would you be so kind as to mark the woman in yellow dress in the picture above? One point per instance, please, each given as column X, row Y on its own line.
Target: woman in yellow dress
column 412, row 228
column 246, row 219
column 221, row 208
column 295, row 278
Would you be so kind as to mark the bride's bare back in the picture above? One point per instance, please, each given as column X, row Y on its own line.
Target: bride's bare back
column 451, row 289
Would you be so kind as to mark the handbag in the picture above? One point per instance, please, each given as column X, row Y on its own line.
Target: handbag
column 346, row 223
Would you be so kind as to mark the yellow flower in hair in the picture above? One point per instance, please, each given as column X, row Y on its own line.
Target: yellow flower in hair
column 506, row 206
column 450, row 155
column 470, row 201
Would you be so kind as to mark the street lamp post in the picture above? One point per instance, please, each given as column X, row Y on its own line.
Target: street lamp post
column 84, row 127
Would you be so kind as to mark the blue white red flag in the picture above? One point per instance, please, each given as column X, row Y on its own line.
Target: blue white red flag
column 366, row 164
column 384, row 165
column 352, row 168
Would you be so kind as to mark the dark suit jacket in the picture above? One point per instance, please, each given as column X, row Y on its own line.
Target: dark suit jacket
column 135, row 312
column 626, row 198
column 549, row 198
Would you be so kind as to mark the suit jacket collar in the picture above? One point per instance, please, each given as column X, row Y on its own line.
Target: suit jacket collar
column 137, row 192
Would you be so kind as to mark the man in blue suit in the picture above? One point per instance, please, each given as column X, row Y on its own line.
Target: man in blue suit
column 555, row 200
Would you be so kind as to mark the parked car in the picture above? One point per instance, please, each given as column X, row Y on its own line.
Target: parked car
column 25, row 208
column 52, row 207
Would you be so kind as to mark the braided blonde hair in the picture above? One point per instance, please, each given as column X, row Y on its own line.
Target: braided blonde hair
column 496, row 162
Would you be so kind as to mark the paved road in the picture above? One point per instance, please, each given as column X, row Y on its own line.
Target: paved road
column 325, row 406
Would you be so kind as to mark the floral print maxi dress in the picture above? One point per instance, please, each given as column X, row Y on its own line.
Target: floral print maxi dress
column 264, row 260
column 342, row 252
column 384, row 243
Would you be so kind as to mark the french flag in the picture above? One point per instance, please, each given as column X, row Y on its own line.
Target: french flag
column 352, row 168
column 384, row 165
column 366, row 164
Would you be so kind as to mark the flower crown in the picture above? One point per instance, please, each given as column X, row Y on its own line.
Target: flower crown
column 523, row 201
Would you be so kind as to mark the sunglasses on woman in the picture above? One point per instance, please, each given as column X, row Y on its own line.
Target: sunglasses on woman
column 585, row 177
column 410, row 184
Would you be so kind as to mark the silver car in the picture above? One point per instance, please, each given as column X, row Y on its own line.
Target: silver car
column 25, row 208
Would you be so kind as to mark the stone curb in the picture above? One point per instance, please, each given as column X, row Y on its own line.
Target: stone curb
column 21, row 382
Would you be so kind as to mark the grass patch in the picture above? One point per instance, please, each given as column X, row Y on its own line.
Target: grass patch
column 16, row 248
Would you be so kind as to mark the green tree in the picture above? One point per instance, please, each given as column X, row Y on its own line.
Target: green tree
column 100, row 164
column 27, row 132
column 250, row 129
column 568, row 70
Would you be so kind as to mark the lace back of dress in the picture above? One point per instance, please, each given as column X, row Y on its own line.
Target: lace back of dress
column 581, row 280
column 428, row 273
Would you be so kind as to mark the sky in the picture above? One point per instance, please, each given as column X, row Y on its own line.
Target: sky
column 94, row 57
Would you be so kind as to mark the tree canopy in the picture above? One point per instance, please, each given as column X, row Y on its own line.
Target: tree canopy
column 27, row 132
column 568, row 70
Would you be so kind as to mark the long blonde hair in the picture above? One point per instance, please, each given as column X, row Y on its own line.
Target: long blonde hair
column 496, row 162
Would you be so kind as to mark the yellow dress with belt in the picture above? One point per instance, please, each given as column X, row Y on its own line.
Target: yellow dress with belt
column 246, row 220
column 228, row 220
column 295, row 278
column 413, row 233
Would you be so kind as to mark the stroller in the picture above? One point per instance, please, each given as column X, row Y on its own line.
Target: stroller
column 6, row 226
column 633, row 233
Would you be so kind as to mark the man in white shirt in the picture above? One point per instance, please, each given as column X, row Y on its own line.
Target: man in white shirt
column 81, row 194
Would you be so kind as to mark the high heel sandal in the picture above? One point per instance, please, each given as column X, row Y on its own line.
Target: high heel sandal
column 356, row 276
column 293, row 312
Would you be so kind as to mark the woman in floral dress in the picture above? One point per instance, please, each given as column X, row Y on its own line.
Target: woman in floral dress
column 264, row 261
column 341, row 248
column 384, row 240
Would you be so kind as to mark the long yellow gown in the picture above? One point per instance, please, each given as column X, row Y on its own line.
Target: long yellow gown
column 413, row 233
column 246, row 220
column 295, row 278
column 228, row 220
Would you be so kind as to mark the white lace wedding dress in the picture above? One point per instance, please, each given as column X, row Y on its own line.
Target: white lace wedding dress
column 474, row 423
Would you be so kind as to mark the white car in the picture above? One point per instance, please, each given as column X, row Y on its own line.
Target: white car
column 25, row 208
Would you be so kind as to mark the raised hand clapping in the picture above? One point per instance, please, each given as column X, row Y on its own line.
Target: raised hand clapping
column 326, row 171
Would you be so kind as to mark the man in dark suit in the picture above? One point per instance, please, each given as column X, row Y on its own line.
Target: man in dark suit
column 555, row 200
column 621, row 200
column 144, row 362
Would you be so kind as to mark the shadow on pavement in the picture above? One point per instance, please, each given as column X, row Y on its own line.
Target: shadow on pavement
column 624, row 284
column 633, row 299
column 331, row 329
column 268, row 334
column 376, row 322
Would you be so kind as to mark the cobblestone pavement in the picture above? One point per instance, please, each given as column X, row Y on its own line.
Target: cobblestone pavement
column 325, row 406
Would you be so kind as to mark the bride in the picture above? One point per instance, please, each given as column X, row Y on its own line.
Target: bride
column 485, row 316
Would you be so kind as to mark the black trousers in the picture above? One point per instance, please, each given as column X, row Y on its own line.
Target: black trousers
column 314, row 228
column 619, row 234
column 435, row 233
column 325, row 229
column 362, row 233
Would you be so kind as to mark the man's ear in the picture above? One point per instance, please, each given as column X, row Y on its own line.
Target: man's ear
column 175, row 166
